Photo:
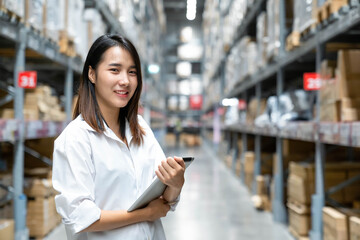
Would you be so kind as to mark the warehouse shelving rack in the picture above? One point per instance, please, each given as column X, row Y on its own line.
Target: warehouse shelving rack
column 14, row 34
column 321, row 133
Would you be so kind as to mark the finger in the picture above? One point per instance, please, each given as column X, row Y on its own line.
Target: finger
column 160, row 176
column 180, row 161
column 167, row 166
column 174, row 164
column 164, row 172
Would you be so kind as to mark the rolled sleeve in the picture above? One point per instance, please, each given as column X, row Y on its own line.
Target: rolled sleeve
column 73, row 178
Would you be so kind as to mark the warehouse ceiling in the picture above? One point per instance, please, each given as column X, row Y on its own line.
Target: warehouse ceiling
column 176, row 10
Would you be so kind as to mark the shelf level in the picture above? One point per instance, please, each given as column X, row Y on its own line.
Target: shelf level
column 344, row 134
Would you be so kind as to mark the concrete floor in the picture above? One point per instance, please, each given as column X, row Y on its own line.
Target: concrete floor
column 214, row 205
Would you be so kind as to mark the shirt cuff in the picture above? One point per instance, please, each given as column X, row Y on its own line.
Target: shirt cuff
column 83, row 216
column 174, row 204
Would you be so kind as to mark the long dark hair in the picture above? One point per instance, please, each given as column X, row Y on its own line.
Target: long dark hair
column 87, row 104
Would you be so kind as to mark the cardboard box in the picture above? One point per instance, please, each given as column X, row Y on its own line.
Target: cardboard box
column 348, row 65
column 335, row 224
column 330, row 112
column 7, row 229
column 261, row 186
column 354, row 228
column 299, row 189
column 301, row 181
column 350, row 114
column 38, row 187
column 249, row 162
column 299, row 220
column 350, row 103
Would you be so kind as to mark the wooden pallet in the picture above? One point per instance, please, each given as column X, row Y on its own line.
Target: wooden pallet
column 308, row 32
column 297, row 236
column 12, row 15
column 66, row 45
column 293, row 41
column 329, row 9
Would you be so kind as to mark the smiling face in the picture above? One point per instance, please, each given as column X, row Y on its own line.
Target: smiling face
column 115, row 79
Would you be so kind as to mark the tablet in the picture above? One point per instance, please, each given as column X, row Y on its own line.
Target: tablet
column 155, row 190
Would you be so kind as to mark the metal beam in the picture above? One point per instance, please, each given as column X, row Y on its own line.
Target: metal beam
column 21, row 232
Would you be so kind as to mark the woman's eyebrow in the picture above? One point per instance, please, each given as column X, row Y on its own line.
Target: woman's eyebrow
column 115, row 64
column 120, row 65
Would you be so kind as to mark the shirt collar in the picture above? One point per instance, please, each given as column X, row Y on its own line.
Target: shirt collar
column 108, row 132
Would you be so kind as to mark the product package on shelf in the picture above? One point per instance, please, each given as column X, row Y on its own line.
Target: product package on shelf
column 273, row 25
column 34, row 14
column 41, row 214
column 16, row 7
column 339, row 99
column 249, row 165
column 261, row 39
column 51, row 20
column 95, row 25
column 301, row 186
column 7, row 229
column 354, row 228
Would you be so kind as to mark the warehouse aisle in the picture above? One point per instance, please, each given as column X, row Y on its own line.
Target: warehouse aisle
column 214, row 205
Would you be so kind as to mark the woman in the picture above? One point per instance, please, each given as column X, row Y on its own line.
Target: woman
column 107, row 156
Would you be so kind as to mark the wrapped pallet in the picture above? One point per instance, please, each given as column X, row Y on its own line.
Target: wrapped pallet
column 51, row 20
column 273, row 25
column 14, row 6
column 34, row 14
column 304, row 14
column 261, row 39
column 95, row 25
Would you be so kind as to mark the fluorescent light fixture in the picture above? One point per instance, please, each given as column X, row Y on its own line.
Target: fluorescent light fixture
column 153, row 68
column 191, row 10
column 227, row 102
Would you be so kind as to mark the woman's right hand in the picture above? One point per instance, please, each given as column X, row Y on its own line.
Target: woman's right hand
column 156, row 209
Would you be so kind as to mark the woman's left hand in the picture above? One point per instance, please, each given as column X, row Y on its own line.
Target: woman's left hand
column 171, row 172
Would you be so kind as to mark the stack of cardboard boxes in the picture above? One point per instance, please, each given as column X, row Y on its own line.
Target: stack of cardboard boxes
column 39, row 104
column 340, row 100
column 41, row 214
column 301, row 186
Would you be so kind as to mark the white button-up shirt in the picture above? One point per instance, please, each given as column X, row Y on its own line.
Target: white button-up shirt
column 94, row 172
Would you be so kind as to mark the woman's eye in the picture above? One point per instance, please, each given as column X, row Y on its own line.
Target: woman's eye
column 133, row 72
column 113, row 70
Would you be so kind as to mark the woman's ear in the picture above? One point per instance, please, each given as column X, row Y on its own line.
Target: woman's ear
column 91, row 75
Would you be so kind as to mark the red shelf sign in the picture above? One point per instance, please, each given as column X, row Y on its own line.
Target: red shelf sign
column 27, row 79
column 312, row 81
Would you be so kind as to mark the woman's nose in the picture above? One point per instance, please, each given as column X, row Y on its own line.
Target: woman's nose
column 124, row 79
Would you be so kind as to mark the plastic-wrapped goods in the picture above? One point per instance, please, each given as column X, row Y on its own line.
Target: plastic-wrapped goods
column 262, row 39
column 273, row 14
column 304, row 14
column 273, row 25
column 293, row 106
column 51, row 20
column 15, row 6
column 95, row 25
column 34, row 13
column 251, row 58
column 247, row 54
